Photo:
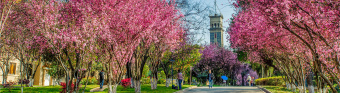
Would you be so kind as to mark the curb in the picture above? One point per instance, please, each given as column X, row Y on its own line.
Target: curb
column 186, row 89
column 264, row 89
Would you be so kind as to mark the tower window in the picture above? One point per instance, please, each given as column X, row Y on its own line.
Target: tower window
column 215, row 25
column 218, row 24
column 215, row 35
column 212, row 25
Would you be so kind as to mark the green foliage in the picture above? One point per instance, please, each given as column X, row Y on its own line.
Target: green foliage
column 241, row 56
column 56, row 71
column 161, row 75
column 92, row 81
column 272, row 81
column 146, row 71
column 97, row 66
column 145, row 81
column 161, row 81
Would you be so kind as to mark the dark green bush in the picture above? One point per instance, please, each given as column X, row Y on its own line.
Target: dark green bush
column 272, row 81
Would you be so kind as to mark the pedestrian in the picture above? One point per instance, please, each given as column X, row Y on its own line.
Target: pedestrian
column 101, row 78
column 249, row 80
column 180, row 79
column 225, row 82
column 253, row 81
column 210, row 77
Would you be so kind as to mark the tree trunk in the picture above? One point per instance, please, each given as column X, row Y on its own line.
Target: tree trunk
column 293, row 87
column 87, row 79
column 114, row 88
column 167, row 82
column 109, row 77
column 4, row 79
column 128, row 73
column 132, row 83
column 31, row 82
column 21, row 76
column 310, row 83
column 310, row 89
column 301, row 90
column 66, row 81
column 110, row 87
column 153, row 83
column 288, row 85
column 324, row 90
column 137, row 86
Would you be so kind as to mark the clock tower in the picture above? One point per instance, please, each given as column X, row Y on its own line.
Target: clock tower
column 216, row 27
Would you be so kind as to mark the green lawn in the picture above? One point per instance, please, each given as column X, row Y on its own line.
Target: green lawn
column 44, row 89
column 56, row 89
column 147, row 89
column 277, row 89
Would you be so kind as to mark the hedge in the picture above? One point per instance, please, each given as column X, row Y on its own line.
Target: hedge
column 272, row 81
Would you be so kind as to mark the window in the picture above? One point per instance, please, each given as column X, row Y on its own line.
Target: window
column 215, row 35
column 12, row 68
column 215, row 25
column 218, row 24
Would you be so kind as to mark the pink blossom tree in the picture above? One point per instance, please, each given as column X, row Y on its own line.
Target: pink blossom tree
column 58, row 28
column 304, row 30
column 5, row 10
column 224, row 62
column 156, row 23
column 79, row 32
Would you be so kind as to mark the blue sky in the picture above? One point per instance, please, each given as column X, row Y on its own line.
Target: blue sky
column 226, row 9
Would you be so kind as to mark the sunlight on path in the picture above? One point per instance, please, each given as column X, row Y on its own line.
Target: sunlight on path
column 98, row 89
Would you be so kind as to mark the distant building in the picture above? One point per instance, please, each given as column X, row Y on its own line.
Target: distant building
column 41, row 77
column 216, row 28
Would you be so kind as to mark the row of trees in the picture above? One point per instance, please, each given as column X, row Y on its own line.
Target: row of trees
column 224, row 62
column 297, row 37
column 76, row 34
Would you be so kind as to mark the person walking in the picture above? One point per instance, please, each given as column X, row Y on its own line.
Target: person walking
column 180, row 79
column 249, row 80
column 252, row 81
column 210, row 77
column 101, row 78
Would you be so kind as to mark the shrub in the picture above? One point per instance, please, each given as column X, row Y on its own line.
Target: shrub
column 92, row 81
column 126, row 82
column 63, row 84
column 24, row 81
column 161, row 81
column 145, row 81
column 273, row 81
column 9, row 85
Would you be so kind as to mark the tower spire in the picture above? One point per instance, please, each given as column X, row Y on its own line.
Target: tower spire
column 215, row 7
column 216, row 26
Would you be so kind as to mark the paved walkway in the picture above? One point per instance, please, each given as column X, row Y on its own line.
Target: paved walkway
column 98, row 89
column 241, row 89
